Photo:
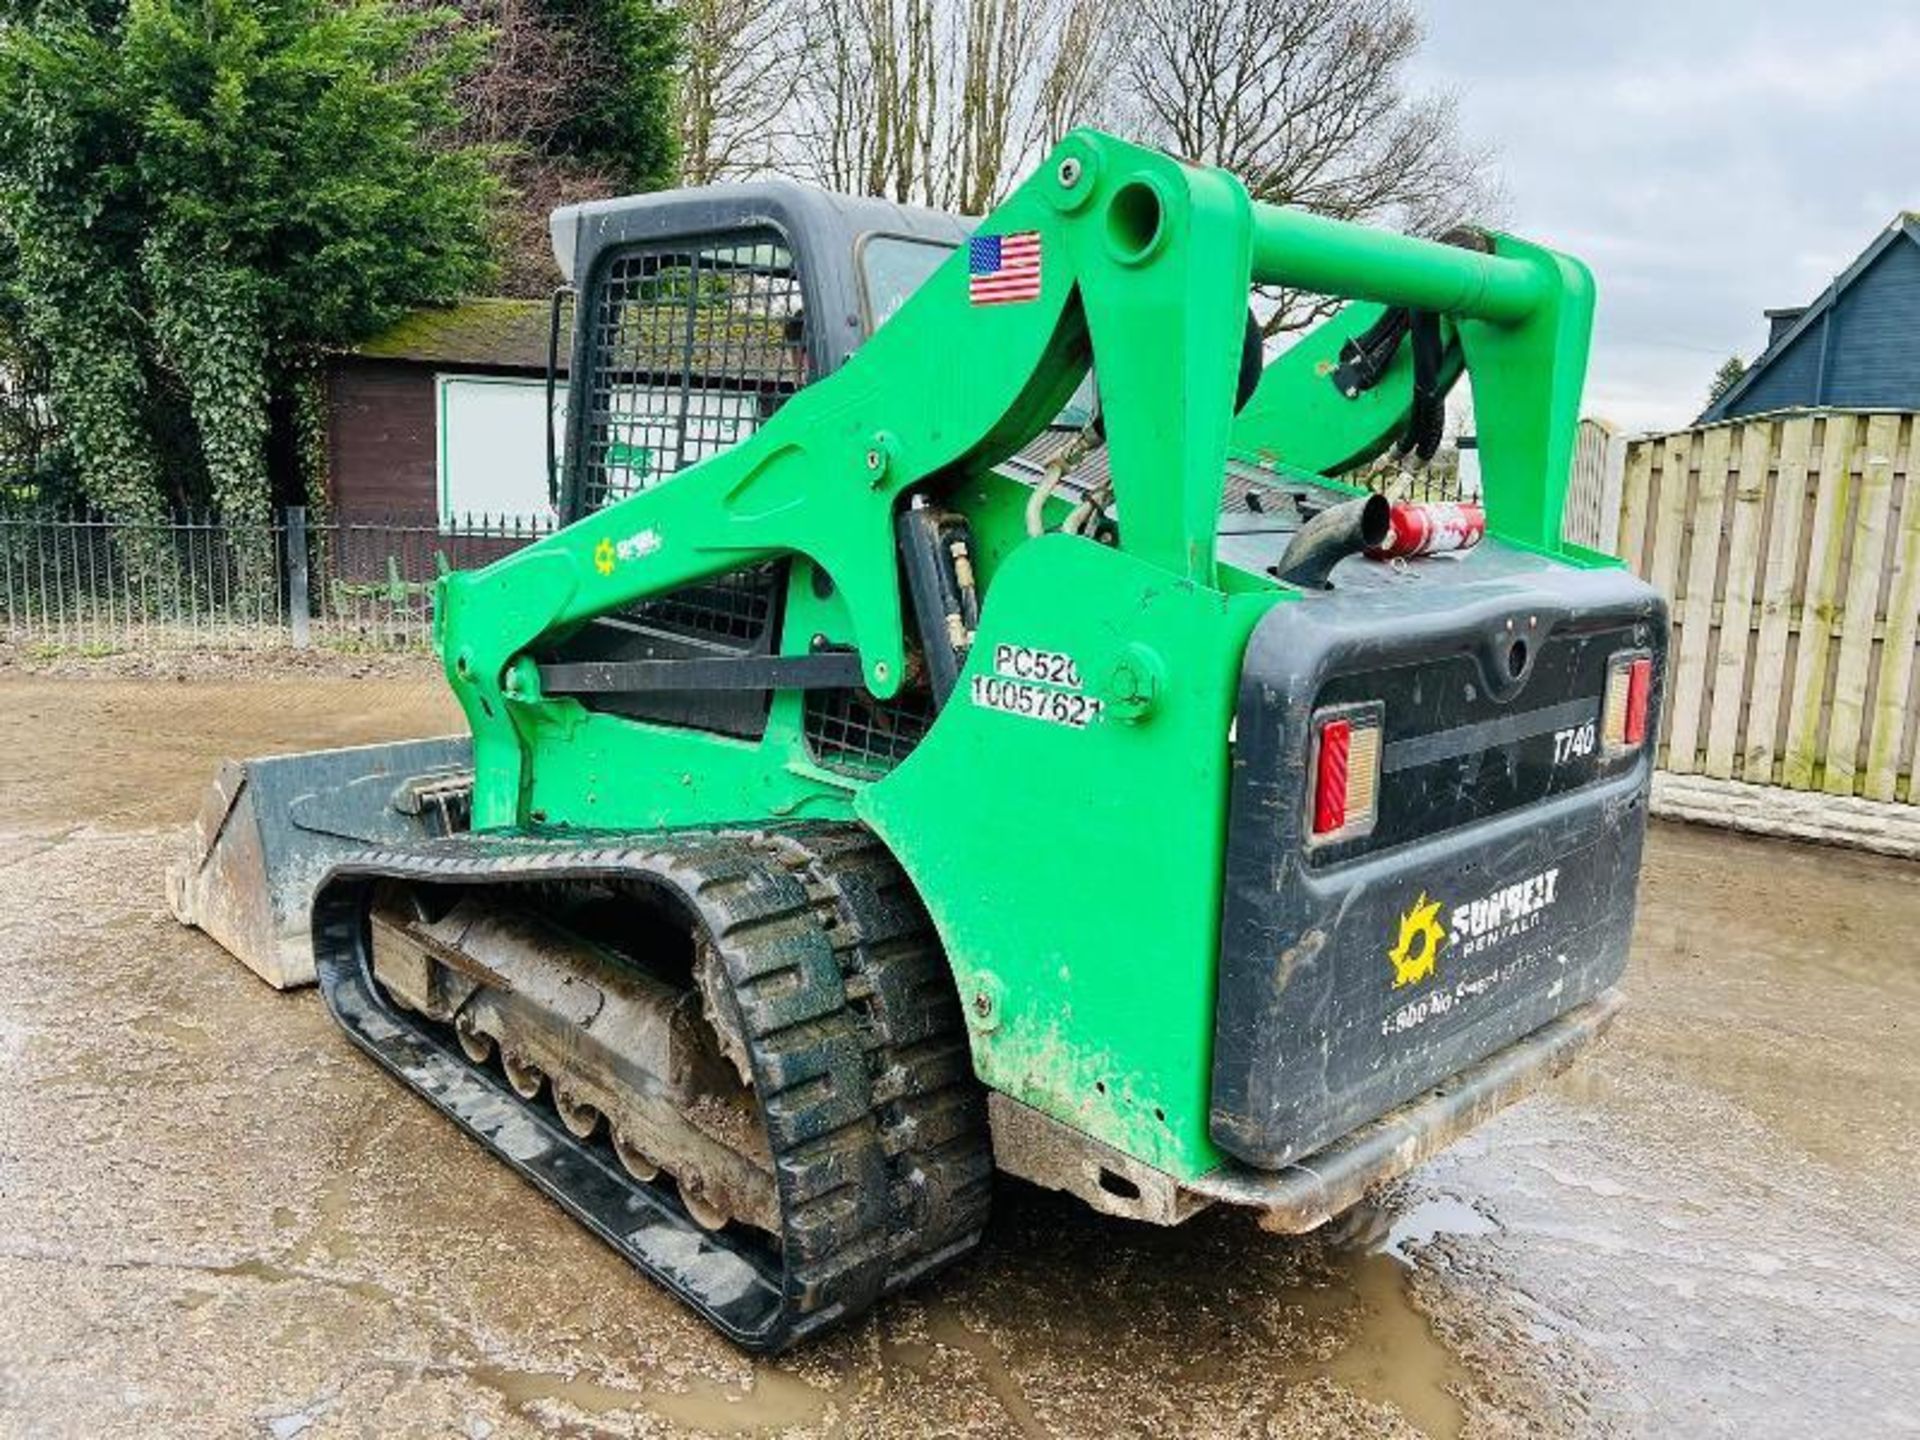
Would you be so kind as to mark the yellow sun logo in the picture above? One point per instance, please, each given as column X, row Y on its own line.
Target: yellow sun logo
column 1420, row 940
column 603, row 557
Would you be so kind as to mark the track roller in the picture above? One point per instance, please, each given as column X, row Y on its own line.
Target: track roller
column 580, row 1118
column 524, row 1076
column 475, row 1046
column 633, row 1160
column 708, row 1213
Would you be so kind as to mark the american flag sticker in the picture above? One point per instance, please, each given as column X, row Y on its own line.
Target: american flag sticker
column 1003, row 269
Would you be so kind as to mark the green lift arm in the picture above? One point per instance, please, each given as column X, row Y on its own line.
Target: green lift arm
column 1147, row 264
column 1146, row 267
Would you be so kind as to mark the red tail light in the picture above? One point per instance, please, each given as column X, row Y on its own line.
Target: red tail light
column 1330, row 780
column 1639, row 686
column 1623, row 718
column 1344, row 785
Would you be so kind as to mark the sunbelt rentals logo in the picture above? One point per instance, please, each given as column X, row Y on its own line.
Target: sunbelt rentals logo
column 1418, row 947
column 1428, row 927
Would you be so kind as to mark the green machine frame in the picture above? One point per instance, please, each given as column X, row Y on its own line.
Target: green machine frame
column 1074, row 872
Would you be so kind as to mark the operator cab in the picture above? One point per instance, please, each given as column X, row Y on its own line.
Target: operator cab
column 703, row 309
column 710, row 306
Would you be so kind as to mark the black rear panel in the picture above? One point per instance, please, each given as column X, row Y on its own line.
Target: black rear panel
column 1494, row 890
column 1456, row 751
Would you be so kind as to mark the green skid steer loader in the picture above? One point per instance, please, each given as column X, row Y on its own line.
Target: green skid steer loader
column 965, row 724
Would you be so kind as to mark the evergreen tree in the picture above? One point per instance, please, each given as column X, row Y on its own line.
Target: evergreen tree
column 1731, row 371
column 200, row 193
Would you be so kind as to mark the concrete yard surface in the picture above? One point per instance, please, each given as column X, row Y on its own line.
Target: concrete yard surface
column 221, row 1220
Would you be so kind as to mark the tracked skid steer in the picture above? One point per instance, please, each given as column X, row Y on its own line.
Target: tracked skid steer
column 967, row 723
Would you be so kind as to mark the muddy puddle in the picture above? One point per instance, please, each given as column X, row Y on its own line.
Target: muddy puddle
column 1361, row 1333
column 770, row 1402
column 1383, row 1347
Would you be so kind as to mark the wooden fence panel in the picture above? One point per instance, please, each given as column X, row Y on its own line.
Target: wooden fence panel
column 1767, row 686
column 1864, row 571
column 1636, row 495
column 1694, row 601
column 1745, row 500
column 1799, row 764
column 1895, row 702
column 1673, row 480
column 1592, row 515
column 1670, row 512
column 1788, row 547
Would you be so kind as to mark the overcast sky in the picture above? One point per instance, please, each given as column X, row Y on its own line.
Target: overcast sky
column 1708, row 160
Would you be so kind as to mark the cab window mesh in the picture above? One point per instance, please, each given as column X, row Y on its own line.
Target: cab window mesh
column 690, row 349
column 851, row 732
column 734, row 611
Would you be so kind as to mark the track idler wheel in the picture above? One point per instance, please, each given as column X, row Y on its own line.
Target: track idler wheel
column 525, row 1077
column 580, row 1118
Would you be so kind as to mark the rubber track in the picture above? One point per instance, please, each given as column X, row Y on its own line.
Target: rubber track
column 858, row 1050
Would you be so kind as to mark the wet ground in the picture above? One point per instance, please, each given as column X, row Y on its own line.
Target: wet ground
column 216, row 1219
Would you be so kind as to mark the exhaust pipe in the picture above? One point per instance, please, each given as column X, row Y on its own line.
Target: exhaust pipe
column 1330, row 537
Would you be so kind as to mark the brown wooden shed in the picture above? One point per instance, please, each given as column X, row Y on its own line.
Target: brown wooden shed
column 441, row 415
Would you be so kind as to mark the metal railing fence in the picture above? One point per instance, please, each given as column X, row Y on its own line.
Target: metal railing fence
column 1422, row 484
column 84, row 584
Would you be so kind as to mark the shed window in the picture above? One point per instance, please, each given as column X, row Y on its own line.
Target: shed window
column 493, row 446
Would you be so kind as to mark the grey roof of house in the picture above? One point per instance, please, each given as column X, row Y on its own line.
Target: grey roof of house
column 1905, row 228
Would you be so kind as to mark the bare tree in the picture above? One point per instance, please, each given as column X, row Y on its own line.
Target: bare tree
column 737, row 64
column 538, row 186
column 539, row 102
column 1306, row 101
column 518, row 95
column 942, row 102
column 516, row 103
column 865, row 86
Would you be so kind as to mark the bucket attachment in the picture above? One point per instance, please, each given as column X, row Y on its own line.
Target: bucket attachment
column 270, row 829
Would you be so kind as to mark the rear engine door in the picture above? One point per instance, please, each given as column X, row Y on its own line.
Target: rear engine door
column 1439, row 798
